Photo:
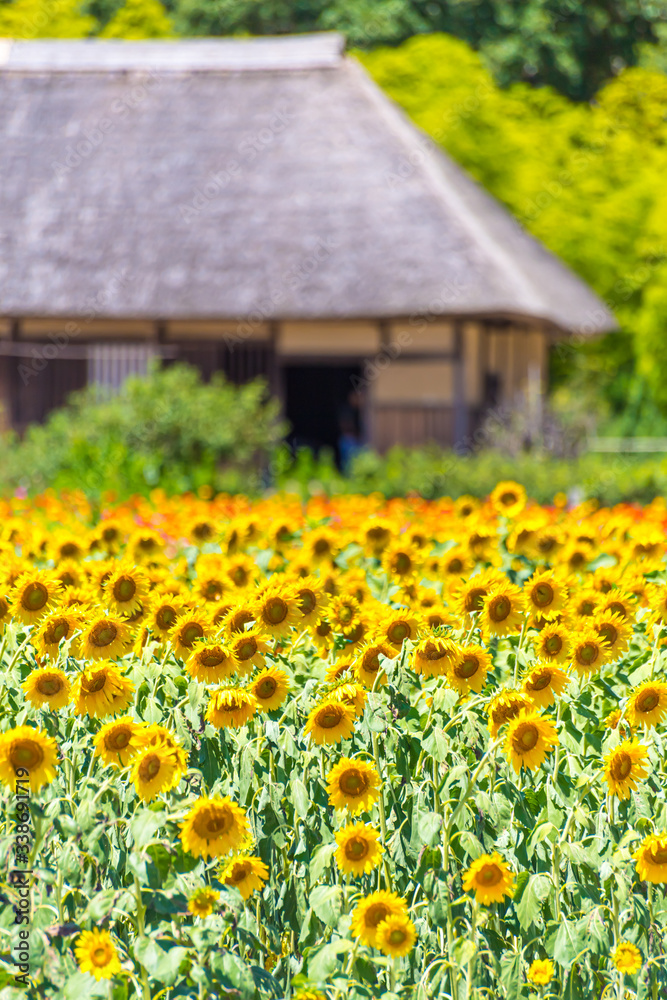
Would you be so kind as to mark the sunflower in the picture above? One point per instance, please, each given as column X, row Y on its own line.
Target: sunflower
column 249, row 649
column 546, row 594
column 270, row 688
column 106, row 637
column 202, row 903
column 468, row 668
column 241, row 570
column 245, row 873
column 552, row 644
column 432, row 656
column 69, row 573
column 619, row 602
column 214, row 827
column 312, row 601
column 321, row 545
column 189, row 628
column 541, row 972
column 506, row 706
column 162, row 614
column 101, row 690
column 508, row 498
column 401, row 562
column 145, row 544
column 372, row 910
column 343, row 612
column 339, row 669
column 648, row 704
column 367, row 667
column 588, row 651
column 395, row 936
column 530, row 737
column 117, row 742
column 211, row 662
column 154, row 770
column 29, row 753
column 490, row 878
column 651, row 859
column 625, row 765
column 159, row 736
column 277, row 609
column 330, row 722
column 126, row 589
column 240, row 614
column 376, row 536
column 502, row 610
column 627, row 958
column 615, row 630
column 210, row 585
column 353, row 784
column 231, row 708
column 352, row 694
column 543, row 683
column 96, row 953
column 34, row 595
column 358, row 851
column 323, row 637
column 395, row 628
column 47, row 686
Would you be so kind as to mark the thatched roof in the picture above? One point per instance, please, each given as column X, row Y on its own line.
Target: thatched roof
column 223, row 179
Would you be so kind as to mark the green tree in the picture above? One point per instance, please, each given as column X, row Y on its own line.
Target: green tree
column 45, row 18
column 138, row 19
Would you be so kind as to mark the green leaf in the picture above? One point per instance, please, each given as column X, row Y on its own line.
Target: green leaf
column 321, row 858
column 430, row 825
column 571, row 941
column 300, row 797
column 168, row 965
column 323, row 962
column 529, row 904
column 145, row 825
column 325, row 901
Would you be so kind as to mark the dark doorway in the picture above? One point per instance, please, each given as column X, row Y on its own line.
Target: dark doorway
column 324, row 408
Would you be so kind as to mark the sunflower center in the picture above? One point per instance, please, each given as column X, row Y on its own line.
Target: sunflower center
column 659, row 856
column 99, row 956
column 321, row 547
column 323, row 630
column 93, row 684
column 212, row 590
column 398, row 632
column 357, row 633
column 371, row 663
column 621, row 766
column 211, row 658
column 540, row 681
column 474, row 599
column 527, row 737
column 616, row 608
column 507, row 499
column 553, row 645
column 26, row 753
column 356, row 849
column 499, row 608
column 49, row 685
column 119, row 740
column 34, row 597
column 402, row 563
column 490, row 875
column 150, row 767
column 276, row 610
column 455, row 566
column 587, row 654
column 648, row 701
column 346, row 614
column 397, row 936
column 247, row 649
column 352, row 782
column 608, row 632
column 542, row 595
column 376, row 914
column 238, row 873
column 467, row 668
column 434, row 652
column 103, row 634
column 124, row 589
column 165, row 617
column 329, row 717
column 57, row 631
column 240, row 576
column 202, row 531
column 190, row 632
column 266, row 688
column 307, row 601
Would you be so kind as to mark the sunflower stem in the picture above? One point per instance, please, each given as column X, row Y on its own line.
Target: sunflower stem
column 141, row 928
column 470, row 967
column 383, row 819
column 524, row 628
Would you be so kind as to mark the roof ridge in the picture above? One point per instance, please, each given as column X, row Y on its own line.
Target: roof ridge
column 316, row 50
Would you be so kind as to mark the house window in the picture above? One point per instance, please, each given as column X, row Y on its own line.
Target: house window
column 110, row 364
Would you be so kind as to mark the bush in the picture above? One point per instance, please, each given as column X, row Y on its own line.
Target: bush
column 431, row 472
column 167, row 429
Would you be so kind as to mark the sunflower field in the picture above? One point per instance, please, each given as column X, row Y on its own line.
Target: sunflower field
column 353, row 748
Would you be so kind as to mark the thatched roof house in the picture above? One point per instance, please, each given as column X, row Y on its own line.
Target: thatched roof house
column 259, row 206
